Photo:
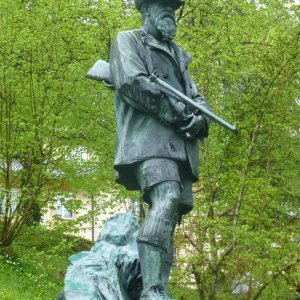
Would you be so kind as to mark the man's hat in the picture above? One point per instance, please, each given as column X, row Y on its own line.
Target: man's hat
column 175, row 3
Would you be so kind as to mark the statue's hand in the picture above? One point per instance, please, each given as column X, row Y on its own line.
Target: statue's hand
column 192, row 126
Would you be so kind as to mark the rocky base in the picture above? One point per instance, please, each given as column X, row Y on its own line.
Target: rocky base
column 111, row 270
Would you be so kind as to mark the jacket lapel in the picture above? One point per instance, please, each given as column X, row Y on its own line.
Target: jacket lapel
column 152, row 42
column 184, row 59
column 181, row 58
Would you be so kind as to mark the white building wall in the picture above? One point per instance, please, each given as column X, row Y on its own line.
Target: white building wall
column 91, row 227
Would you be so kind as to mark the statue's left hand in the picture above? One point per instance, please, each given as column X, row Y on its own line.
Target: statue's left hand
column 193, row 125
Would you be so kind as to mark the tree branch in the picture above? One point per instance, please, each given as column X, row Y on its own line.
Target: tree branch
column 264, row 286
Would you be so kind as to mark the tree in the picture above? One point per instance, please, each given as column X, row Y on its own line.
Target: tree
column 49, row 111
column 241, row 234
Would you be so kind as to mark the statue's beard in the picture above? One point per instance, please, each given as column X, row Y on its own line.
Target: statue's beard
column 166, row 26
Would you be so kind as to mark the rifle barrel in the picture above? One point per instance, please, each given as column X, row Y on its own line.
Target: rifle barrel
column 205, row 111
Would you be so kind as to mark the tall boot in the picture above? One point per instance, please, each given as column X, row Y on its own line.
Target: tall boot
column 166, row 268
column 151, row 259
column 169, row 256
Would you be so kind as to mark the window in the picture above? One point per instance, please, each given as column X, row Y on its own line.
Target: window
column 63, row 207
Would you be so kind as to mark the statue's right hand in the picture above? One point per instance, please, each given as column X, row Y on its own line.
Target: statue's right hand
column 193, row 124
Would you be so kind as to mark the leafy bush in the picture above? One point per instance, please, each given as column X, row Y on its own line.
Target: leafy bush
column 34, row 265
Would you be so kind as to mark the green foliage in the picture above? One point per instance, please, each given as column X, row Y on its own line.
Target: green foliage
column 242, row 230
column 13, row 285
column 182, row 293
column 245, row 61
column 35, row 264
column 49, row 112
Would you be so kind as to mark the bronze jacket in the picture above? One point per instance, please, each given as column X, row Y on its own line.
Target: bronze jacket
column 146, row 122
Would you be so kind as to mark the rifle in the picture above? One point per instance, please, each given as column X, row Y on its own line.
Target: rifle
column 101, row 72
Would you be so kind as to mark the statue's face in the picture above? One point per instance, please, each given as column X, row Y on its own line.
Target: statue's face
column 162, row 16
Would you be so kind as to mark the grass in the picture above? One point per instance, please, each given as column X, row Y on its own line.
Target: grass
column 34, row 266
column 13, row 285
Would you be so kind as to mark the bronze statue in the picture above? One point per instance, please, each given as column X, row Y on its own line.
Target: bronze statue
column 158, row 135
column 160, row 119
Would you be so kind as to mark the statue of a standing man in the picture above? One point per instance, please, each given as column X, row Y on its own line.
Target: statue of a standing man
column 157, row 138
